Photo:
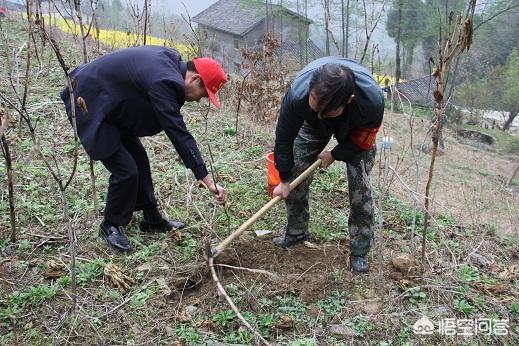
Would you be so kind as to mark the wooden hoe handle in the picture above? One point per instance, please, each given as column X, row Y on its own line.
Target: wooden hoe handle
column 245, row 226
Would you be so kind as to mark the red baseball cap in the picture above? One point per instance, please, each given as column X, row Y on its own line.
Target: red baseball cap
column 213, row 76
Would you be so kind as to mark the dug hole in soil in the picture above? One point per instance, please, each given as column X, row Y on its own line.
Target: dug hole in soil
column 309, row 273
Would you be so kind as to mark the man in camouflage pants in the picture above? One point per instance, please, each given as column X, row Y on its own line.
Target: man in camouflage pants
column 330, row 96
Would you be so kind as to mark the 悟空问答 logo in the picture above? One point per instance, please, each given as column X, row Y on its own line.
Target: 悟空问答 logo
column 423, row 326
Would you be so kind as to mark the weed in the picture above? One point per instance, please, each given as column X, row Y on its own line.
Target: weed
column 110, row 295
column 90, row 271
column 140, row 298
column 468, row 273
column 148, row 251
column 232, row 290
column 229, row 130
column 333, row 304
column 64, row 281
column 8, row 315
column 244, row 337
column 416, row 295
column 34, row 296
column 444, row 221
column 514, row 309
column 454, row 246
column 265, row 302
column 291, row 306
column 359, row 325
column 24, row 245
column 265, row 322
column 479, row 301
column 188, row 248
column 464, row 307
column 187, row 333
column 403, row 336
column 224, row 318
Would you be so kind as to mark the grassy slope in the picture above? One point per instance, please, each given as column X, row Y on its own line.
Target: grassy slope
column 33, row 308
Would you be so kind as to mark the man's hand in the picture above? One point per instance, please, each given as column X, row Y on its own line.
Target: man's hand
column 282, row 190
column 326, row 158
column 219, row 191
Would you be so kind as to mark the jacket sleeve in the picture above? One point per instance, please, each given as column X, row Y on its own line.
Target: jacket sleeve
column 287, row 128
column 162, row 97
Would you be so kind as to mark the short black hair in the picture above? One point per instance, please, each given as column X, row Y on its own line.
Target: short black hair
column 191, row 66
column 333, row 85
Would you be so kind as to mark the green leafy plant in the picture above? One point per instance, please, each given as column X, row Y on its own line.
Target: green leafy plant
column 291, row 306
column 24, row 245
column 359, row 325
column 265, row 323
column 244, row 337
column 229, row 130
column 187, row 333
column 140, row 298
column 464, row 307
column 232, row 290
column 332, row 304
column 188, row 247
column 34, row 296
column 148, row 251
column 90, row 271
column 416, row 295
column 514, row 309
column 468, row 273
column 224, row 318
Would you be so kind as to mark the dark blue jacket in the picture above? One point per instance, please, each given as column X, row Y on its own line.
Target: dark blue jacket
column 133, row 92
column 355, row 129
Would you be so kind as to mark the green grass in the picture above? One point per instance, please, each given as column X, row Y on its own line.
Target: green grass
column 506, row 143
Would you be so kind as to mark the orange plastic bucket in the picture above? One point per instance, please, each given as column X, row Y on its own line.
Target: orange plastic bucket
column 273, row 179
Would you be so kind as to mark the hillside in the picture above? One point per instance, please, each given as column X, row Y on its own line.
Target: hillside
column 162, row 291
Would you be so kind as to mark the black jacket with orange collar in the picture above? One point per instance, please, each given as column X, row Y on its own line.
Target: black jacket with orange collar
column 355, row 129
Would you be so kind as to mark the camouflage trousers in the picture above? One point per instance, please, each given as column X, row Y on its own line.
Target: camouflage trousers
column 307, row 146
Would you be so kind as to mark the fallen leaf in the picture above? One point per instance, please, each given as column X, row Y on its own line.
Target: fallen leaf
column 511, row 272
column 285, row 322
column 491, row 289
column 54, row 270
column 119, row 279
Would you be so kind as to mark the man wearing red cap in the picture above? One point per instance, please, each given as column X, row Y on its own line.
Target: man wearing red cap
column 132, row 93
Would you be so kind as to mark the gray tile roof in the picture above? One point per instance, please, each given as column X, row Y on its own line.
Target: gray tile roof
column 293, row 48
column 238, row 17
column 418, row 91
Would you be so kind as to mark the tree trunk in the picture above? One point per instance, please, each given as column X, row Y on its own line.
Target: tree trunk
column 10, row 184
column 398, row 71
column 343, row 28
column 346, row 43
column 510, row 120
column 327, row 24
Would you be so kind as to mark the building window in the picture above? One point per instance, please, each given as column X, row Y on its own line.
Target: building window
column 237, row 67
column 236, row 43
column 205, row 34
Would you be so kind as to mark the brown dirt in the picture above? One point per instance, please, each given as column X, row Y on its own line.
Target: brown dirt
column 309, row 273
column 468, row 184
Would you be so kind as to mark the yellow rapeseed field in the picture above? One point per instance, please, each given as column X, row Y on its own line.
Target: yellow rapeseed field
column 116, row 39
column 381, row 80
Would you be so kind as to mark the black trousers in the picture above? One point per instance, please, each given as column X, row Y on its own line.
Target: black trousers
column 130, row 186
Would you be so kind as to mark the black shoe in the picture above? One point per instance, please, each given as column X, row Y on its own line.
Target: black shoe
column 164, row 225
column 288, row 240
column 115, row 237
column 359, row 264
